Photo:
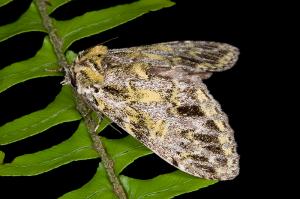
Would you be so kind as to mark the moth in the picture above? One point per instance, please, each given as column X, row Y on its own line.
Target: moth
column 156, row 94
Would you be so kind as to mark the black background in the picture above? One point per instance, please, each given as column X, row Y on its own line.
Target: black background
column 237, row 90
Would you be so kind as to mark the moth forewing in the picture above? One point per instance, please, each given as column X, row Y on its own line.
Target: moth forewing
column 155, row 93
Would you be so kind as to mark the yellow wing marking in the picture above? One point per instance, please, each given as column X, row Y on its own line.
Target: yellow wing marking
column 154, row 56
column 223, row 139
column 101, row 105
column 162, row 47
column 202, row 97
column 227, row 151
column 209, row 111
column 225, row 59
column 93, row 76
column 157, row 128
column 140, row 70
column 220, row 125
column 144, row 95
column 132, row 114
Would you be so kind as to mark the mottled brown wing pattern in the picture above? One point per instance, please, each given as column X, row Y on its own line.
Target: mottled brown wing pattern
column 172, row 114
column 193, row 56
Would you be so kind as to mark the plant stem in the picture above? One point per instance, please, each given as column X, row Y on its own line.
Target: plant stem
column 81, row 105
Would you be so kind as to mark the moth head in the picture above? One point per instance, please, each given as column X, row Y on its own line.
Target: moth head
column 96, row 52
column 87, row 68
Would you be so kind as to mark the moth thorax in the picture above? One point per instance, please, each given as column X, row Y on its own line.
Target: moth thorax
column 96, row 52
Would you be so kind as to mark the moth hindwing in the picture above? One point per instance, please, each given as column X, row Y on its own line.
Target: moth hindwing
column 156, row 94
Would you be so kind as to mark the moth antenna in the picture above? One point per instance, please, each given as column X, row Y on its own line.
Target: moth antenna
column 112, row 126
column 109, row 40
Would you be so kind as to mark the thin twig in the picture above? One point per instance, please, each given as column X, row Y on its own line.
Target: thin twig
column 81, row 105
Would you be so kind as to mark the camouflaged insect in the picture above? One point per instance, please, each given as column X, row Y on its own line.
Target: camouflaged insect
column 156, row 94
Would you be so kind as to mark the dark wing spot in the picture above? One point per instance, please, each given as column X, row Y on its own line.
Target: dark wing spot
column 190, row 90
column 222, row 161
column 184, row 133
column 223, row 52
column 183, row 145
column 199, row 158
column 186, row 61
column 159, row 133
column 95, row 101
column 140, row 135
column 96, row 90
column 206, row 138
column 140, row 130
column 119, row 120
column 111, row 90
column 118, row 92
column 210, row 56
column 212, row 125
column 174, row 162
column 209, row 46
column 208, row 169
column 214, row 149
column 217, row 110
column 234, row 161
column 190, row 111
column 233, row 150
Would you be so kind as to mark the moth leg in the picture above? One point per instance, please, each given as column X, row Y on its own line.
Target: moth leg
column 100, row 118
column 97, row 126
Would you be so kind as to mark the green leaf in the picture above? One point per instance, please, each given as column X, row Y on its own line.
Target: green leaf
column 71, row 56
column 163, row 186
column 103, row 124
column 98, row 187
column 29, row 21
column 124, row 151
column 4, row 2
column 54, row 4
column 43, row 64
column 78, row 147
column 2, row 155
column 62, row 109
column 98, row 21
